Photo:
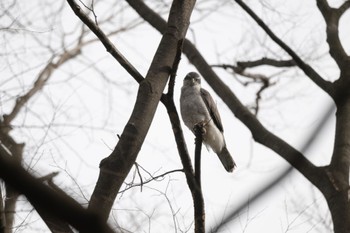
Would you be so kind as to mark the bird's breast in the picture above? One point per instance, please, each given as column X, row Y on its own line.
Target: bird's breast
column 193, row 108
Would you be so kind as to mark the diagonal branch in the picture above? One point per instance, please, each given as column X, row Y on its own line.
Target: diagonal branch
column 344, row 7
column 115, row 168
column 40, row 82
column 308, row 70
column 105, row 41
column 46, row 200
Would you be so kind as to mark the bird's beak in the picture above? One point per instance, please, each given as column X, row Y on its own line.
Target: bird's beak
column 192, row 81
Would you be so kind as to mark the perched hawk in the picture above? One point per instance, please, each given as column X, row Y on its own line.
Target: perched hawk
column 198, row 107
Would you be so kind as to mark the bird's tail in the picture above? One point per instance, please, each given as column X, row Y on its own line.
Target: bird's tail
column 226, row 159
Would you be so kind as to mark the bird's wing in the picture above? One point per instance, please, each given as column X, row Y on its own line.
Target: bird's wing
column 213, row 110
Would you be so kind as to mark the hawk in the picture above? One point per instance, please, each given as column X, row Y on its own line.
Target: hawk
column 198, row 107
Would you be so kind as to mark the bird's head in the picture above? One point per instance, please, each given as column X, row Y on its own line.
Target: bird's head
column 192, row 79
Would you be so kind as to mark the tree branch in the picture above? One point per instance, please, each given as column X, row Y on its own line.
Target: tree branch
column 344, row 7
column 199, row 212
column 308, row 70
column 105, row 41
column 38, row 85
column 331, row 17
column 55, row 224
column 266, row 61
column 257, row 78
column 241, row 71
column 41, row 197
column 132, row 185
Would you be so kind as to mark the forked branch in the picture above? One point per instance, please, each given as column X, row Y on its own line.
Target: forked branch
column 332, row 17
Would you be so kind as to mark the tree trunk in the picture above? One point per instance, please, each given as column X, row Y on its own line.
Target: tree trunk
column 115, row 168
column 339, row 207
column 338, row 173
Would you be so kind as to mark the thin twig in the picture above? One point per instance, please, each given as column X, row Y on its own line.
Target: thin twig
column 153, row 178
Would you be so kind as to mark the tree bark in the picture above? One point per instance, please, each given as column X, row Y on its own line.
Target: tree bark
column 115, row 168
column 338, row 173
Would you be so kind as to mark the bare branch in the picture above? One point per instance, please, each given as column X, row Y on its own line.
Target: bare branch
column 40, row 82
column 241, row 71
column 45, row 199
column 257, row 78
column 199, row 212
column 105, row 41
column 54, row 224
column 175, row 66
column 331, row 17
column 344, row 7
column 266, row 61
column 90, row 9
column 308, row 70
column 153, row 178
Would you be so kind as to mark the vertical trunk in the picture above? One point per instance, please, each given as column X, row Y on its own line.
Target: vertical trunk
column 338, row 198
column 339, row 207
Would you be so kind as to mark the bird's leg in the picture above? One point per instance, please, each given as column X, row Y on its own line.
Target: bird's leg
column 199, row 128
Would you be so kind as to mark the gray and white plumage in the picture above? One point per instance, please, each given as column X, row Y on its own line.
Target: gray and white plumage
column 198, row 107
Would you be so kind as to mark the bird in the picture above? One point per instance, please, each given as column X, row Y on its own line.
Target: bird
column 198, row 107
